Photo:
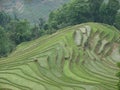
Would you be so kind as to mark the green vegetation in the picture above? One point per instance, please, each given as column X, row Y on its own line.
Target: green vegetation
column 15, row 31
column 5, row 44
column 82, row 57
column 19, row 31
column 75, row 12
column 118, row 75
column 80, row 11
column 31, row 9
column 4, row 19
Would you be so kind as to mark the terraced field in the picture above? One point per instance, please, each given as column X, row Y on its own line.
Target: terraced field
column 81, row 57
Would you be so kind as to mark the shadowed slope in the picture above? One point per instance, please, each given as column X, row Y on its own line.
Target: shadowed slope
column 81, row 57
column 31, row 10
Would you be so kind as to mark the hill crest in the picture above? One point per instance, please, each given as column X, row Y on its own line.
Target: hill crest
column 81, row 57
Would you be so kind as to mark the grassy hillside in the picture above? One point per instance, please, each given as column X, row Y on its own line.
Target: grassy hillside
column 82, row 57
column 31, row 9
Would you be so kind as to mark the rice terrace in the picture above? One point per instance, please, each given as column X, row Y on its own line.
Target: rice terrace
column 81, row 57
column 59, row 44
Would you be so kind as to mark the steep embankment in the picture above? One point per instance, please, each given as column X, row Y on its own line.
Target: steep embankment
column 81, row 57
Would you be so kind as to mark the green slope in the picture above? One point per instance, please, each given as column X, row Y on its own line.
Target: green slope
column 82, row 57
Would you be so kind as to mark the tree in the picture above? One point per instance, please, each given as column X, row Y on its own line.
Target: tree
column 117, row 21
column 5, row 44
column 70, row 14
column 95, row 6
column 19, row 31
column 4, row 18
column 80, row 11
column 108, row 13
column 41, row 23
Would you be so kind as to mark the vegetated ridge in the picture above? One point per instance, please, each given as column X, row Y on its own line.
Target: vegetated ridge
column 82, row 57
column 30, row 9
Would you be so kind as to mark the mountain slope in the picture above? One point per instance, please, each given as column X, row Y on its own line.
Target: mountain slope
column 30, row 9
column 82, row 57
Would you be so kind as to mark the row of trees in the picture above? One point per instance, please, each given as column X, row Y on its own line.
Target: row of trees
column 80, row 11
column 14, row 31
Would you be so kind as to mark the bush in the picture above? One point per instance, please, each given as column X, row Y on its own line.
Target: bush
column 5, row 44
